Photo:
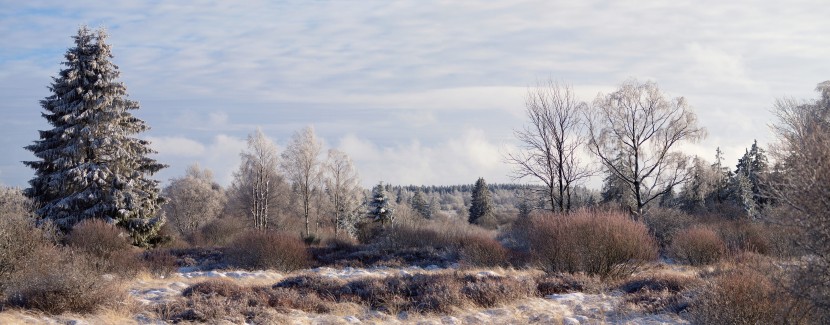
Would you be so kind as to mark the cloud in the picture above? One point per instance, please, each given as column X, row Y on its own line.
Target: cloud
column 457, row 161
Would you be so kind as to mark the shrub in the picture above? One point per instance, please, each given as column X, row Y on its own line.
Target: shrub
column 698, row 246
column 603, row 243
column 665, row 223
column 490, row 291
column 483, row 251
column 268, row 250
column 742, row 235
column 220, row 232
column 55, row 280
column 743, row 296
column 160, row 262
column 550, row 284
column 108, row 246
column 19, row 239
column 98, row 238
column 660, row 292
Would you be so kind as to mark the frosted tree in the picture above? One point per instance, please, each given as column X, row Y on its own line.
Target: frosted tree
column 551, row 141
column 258, row 184
column 749, row 182
column 699, row 187
column 193, row 200
column 344, row 192
column 90, row 164
column 379, row 210
column 420, row 205
column 720, row 190
column 301, row 163
column 481, row 205
column 640, row 125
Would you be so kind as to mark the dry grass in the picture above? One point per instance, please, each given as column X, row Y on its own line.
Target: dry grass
column 604, row 243
column 659, row 292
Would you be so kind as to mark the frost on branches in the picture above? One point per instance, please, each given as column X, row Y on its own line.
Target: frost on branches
column 379, row 209
column 89, row 164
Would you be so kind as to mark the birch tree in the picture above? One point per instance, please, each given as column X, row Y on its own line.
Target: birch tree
column 641, row 126
column 551, row 141
column 90, row 164
column 257, row 183
column 344, row 191
column 301, row 163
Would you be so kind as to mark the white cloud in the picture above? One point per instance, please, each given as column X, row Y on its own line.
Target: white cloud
column 176, row 146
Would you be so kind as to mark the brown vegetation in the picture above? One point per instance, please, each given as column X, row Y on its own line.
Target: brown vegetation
column 603, row 243
column 257, row 249
column 698, row 246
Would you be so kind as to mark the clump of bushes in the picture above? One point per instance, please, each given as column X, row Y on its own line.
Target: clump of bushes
column 483, row 251
column 698, row 246
column 56, row 280
column 603, row 243
column 257, row 249
column 659, row 292
column 109, row 247
column 219, row 232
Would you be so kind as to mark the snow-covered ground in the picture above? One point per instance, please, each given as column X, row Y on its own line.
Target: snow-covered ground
column 571, row 308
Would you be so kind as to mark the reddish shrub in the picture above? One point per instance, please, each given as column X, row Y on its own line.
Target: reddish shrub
column 698, row 246
column 483, row 251
column 603, row 243
column 99, row 238
column 268, row 250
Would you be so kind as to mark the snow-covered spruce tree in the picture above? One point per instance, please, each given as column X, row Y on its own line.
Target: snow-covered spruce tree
column 89, row 164
column 379, row 209
column 481, row 206
column 420, row 205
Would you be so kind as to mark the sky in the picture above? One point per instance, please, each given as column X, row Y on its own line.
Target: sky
column 416, row 92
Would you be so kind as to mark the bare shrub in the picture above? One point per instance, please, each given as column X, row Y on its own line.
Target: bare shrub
column 559, row 283
column 55, row 280
column 98, row 238
column 742, row 235
column 698, row 246
column 108, row 246
column 660, row 292
column 744, row 296
column 220, row 232
column 664, row 223
column 603, row 243
column 491, row 291
column 483, row 251
column 258, row 249
column 19, row 239
column 160, row 262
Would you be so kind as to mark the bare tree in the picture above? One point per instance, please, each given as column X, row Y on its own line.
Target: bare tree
column 255, row 186
column 193, row 199
column 638, row 124
column 551, row 141
column 803, row 155
column 343, row 187
column 301, row 162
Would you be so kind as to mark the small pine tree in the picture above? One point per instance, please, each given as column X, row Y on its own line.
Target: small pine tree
column 379, row 209
column 90, row 165
column 481, row 206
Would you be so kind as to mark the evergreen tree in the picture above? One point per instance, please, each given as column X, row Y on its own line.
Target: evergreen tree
column 420, row 205
column 615, row 189
column 379, row 209
column 753, row 169
column 481, row 206
column 90, row 164
column 720, row 188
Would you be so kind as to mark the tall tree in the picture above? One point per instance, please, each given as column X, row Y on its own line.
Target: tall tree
column 301, row 162
column 550, row 142
column 803, row 132
column 379, row 210
column 749, row 184
column 641, row 126
column 258, row 184
column 699, row 187
column 90, row 164
column 343, row 188
column 193, row 200
column 481, row 206
column 720, row 190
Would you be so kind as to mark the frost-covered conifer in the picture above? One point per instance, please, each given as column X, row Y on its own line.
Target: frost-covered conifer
column 89, row 164
column 379, row 209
